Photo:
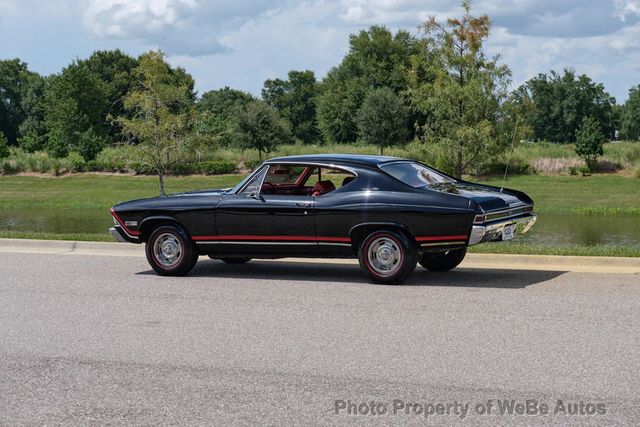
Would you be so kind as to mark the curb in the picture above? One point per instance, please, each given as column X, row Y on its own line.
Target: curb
column 578, row 264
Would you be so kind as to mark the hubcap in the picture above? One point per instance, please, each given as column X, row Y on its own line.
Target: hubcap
column 167, row 250
column 385, row 256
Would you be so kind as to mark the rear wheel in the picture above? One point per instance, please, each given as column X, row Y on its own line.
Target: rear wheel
column 387, row 257
column 444, row 261
column 170, row 251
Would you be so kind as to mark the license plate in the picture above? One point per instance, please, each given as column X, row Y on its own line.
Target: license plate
column 508, row 231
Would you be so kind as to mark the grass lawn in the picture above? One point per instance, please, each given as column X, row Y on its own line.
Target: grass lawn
column 89, row 196
column 592, row 195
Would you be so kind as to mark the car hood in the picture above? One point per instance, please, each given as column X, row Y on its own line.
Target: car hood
column 487, row 197
column 175, row 201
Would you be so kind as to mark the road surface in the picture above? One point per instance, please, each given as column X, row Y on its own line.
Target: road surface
column 101, row 340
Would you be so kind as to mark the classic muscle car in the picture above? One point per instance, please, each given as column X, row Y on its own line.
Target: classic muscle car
column 390, row 213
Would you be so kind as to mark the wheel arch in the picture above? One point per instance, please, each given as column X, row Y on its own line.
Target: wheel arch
column 150, row 223
column 362, row 230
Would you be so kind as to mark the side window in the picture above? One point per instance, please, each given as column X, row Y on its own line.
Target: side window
column 254, row 185
column 285, row 180
column 325, row 180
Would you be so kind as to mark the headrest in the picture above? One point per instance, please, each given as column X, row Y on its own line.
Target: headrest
column 347, row 180
column 322, row 187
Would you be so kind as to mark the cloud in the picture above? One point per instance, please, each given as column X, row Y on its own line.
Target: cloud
column 180, row 27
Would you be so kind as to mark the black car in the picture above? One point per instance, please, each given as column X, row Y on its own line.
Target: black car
column 390, row 213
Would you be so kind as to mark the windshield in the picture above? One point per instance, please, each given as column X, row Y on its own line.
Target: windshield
column 414, row 174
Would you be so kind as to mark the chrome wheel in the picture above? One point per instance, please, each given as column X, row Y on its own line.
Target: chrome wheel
column 384, row 256
column 167, row 250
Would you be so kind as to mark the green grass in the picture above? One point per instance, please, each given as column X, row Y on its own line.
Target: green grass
column 593, row 195
column 565, row 250
column 94, row 191
column 81, row 237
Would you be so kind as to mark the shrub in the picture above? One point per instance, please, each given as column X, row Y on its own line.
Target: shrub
column 74, row 162
column 217, row 167
column 637, row 174
column 589, row 142
column 517, row 166
column 91, row 166
column 585, row 170
column 141, row 168
column 90, row 144
column 10, row 167
column 573, row 170
column 184, row 169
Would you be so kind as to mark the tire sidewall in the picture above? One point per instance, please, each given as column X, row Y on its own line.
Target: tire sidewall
column 189, row 256
column 409, row 257
column 445, row 263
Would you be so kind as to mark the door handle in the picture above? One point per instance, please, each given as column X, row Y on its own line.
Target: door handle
column 304, row 204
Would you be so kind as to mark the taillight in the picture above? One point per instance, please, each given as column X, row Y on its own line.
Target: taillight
column 527, row 209
column 479, row 219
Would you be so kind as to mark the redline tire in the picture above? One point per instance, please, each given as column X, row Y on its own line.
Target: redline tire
column 443, row 261
column 170, row 251
column 387, row 257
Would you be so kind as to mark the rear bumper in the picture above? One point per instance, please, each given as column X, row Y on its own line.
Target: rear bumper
column 492, row 232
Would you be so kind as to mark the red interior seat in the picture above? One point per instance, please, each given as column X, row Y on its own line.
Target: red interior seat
column 323, row 187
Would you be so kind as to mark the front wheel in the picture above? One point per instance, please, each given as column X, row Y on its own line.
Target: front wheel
column 444, row 261
column 387, row 257
column 170, row 251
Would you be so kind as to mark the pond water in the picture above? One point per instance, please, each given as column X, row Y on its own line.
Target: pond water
column 548, row 230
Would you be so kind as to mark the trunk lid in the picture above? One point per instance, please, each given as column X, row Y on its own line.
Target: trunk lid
column 488, row 198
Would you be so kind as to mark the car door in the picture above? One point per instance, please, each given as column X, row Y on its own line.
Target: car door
column 259, row 220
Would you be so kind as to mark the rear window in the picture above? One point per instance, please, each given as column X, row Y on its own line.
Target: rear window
column 414, row 174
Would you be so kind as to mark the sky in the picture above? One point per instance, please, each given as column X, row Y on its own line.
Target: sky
column 242, row 43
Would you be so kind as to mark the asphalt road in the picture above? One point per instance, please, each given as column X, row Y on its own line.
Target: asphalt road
column 102, row 340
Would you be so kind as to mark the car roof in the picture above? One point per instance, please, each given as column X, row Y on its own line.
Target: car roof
column 359, row 159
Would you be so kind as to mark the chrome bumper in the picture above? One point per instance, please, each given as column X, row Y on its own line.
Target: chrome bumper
column 116, row 235
column 493, row 232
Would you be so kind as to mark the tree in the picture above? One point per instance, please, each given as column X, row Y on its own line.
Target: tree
column 562, row 102
column 15, row 80
column 32, row 131
column 4, row 147
column 218, row 112
column 466, row 99
column 159, row 105
column 376, row 58
column 589, row 141
column 75, row 101
column 115, row 70
column 382, row 119
column 262, row 128
column 295, row 101
column 631, row 116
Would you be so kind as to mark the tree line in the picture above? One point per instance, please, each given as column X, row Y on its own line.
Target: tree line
column 437, row 89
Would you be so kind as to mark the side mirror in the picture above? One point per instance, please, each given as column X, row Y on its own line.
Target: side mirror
column 256, row 195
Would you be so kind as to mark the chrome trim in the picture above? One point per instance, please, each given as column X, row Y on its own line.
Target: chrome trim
column 493, row 232
column 512, row 211
column 116, row 235
column 253, row 242
column 251, row 176
column 267, row 164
